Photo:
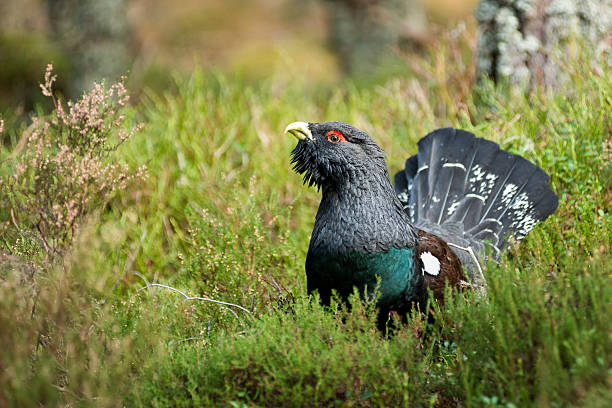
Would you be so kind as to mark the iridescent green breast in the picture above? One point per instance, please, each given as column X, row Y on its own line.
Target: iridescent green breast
column 326, row 271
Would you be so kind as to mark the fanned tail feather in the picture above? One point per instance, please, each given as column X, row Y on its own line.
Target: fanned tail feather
column 471, row 193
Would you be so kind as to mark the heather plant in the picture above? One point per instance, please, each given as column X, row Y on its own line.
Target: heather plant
column 62, row 170
column 244, row 246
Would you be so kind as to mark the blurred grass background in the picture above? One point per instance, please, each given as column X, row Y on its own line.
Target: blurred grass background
column 282, row 39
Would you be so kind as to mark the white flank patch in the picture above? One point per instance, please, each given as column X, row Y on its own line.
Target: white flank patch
column 431, row 264
column 425, row 167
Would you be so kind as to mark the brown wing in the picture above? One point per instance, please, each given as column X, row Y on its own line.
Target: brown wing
column 438, row 263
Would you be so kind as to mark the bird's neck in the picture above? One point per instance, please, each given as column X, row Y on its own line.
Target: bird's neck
column 362, row 214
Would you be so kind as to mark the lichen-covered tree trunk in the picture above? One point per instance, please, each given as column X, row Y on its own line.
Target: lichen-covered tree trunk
column 96, row 33
column 524, row 41
column 364, row 33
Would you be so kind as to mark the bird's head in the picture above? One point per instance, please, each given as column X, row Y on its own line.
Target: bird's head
column 334, row 152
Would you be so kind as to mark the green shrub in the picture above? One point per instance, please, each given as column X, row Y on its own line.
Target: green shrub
column 300, row 356
column 242, row 253
column 61, row 345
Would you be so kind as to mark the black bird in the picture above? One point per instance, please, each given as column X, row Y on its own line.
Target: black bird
column 458, row 199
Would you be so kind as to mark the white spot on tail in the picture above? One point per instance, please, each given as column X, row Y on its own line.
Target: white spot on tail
column 459, row 165
column 431, row 264
column 508, row 193
column 481, row 198
column 452, row 208
column 498, row 222
column 481, row 182
column 522, row 216
column 404, row 196
column 476, row 175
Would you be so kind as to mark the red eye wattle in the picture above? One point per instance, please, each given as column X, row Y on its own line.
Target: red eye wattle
column 334, row 136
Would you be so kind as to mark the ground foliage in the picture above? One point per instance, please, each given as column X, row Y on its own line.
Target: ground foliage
column 222, row 218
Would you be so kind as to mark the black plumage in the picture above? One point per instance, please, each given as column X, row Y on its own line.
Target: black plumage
column 458, row 189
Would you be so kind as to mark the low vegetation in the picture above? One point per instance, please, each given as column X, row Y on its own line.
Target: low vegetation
column 184, row 285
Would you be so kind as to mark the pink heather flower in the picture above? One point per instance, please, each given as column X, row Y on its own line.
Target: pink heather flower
column 65, row 169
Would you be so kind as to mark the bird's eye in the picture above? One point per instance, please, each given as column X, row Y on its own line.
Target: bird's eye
column 335, row 136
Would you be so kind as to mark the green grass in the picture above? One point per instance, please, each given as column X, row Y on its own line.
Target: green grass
column 222, row 216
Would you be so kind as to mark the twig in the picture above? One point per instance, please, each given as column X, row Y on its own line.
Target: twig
column 227, row 304
column 471, row 252
column 146, row 282
column 200, row 298
column 465, row 284
column 15, row 221
column 66, row 390
column 277, row 285
column 48, row 248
